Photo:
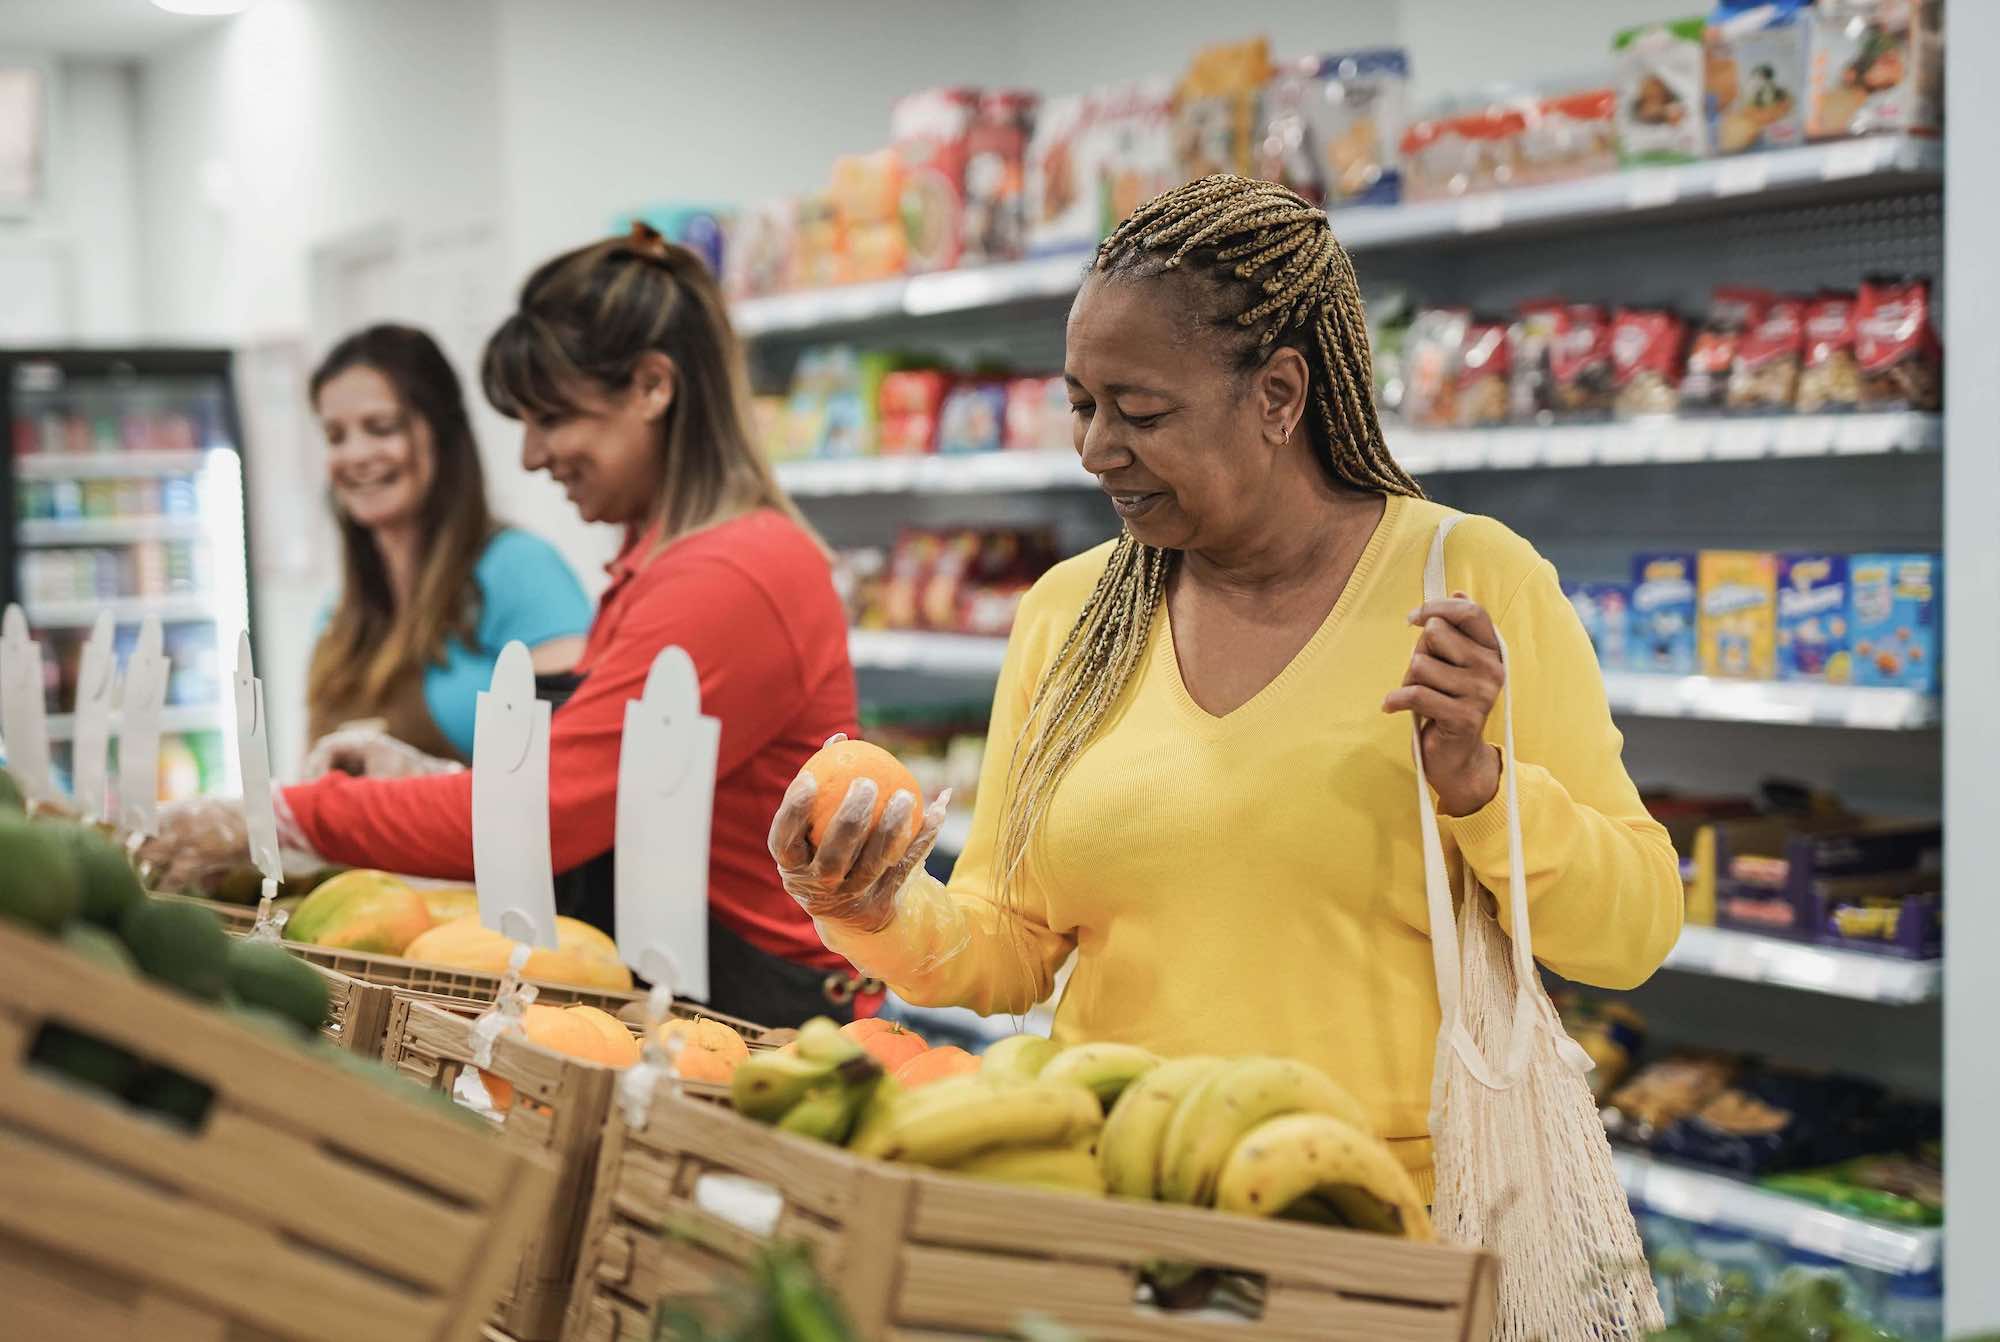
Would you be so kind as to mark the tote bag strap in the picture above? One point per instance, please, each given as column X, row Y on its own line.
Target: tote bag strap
column 1445, row 959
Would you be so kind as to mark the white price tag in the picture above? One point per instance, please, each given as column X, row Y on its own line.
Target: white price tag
column 139, row 710
column 253, row 757
column 1881, row 709
column 1687, row 440
column 1575, row 445
column 1856, row 158
column 1805, row 436
column 24, row 722
column 512, row 867
column 1482, row 213
column 96, row 677
column 1651, row 189
column 666, row 798
column 1742, row 176
column 1742, row 439
column 1624, row 444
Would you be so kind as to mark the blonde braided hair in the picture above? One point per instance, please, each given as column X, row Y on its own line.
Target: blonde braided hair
column 1265, row 251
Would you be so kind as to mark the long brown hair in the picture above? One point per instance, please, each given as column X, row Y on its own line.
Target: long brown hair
column 371, row 641
column 584, row 321
column 1267, row 272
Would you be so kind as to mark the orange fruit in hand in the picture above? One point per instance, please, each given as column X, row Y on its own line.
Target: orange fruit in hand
column 935, row 1065
column 838, row 766
column 886, row 1041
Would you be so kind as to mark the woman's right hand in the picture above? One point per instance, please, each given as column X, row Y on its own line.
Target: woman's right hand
column 368, row 753
column 852, row 876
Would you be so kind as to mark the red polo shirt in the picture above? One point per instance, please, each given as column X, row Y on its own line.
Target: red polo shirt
column 752, row 601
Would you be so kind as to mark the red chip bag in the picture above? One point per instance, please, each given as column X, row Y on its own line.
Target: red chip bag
column 1580, row 361
column 1482, row 375
column 1646, row 347
column 1831, row 378
column 1896, row 346
column 1765, row 375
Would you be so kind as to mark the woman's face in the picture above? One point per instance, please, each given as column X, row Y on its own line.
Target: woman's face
column 380, row 456
column 606, row 452
column 1187, row 448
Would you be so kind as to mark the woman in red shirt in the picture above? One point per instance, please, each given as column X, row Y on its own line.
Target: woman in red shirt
column 621, row 365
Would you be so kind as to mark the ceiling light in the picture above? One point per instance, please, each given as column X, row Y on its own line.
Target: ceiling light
column 202, row 7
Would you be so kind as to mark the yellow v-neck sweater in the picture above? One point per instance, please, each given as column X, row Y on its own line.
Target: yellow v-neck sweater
column 1254, row 883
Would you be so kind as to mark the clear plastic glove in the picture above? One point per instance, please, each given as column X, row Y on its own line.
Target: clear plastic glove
column 199, row 845
column 368, row 753
column 852, row 876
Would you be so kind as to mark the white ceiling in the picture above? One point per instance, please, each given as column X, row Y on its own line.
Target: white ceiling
column 106, row 29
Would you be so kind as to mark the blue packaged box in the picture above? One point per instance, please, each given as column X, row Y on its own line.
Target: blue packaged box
column 1662, row 630
column 1605, row 609
column 1894, row 617
column 1812, row 619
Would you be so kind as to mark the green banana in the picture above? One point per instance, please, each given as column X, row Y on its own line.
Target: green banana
column 1018, row 1057
column 1104, row 1069
column 962, row 1123
column 1071, row 1168
column 1129, row 1150
column 820, row 1040
column 1216, row 1114
column 767, row 1084
column 1298, row 1156
column 827, row 1113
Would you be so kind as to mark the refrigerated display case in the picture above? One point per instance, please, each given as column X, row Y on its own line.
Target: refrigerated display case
column 124, row 492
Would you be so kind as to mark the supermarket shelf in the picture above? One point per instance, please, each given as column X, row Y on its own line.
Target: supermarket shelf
column 1783, row 177
column 1715, row 1199
column 109, row 530
column 53, row 466
column 124, row 610
column 188, row 718
column 1802, row 704
column 944, row 654
column 1723, row 953
column 969, row 473
column 1666, row 440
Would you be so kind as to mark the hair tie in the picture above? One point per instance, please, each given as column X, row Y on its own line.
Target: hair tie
column 645, row 241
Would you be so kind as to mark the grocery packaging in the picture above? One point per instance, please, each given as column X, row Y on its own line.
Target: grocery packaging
column 1611, row 1033
column 974, row 416
column 1895, row 612
column 1661, row 1093
column 1465, row 152
column 1038, row 415
column 1433, row 356
column 1580, row 363
column 1569, row 136
column 1134, row 156
column 1064, row 212
column 867, row 195
column 1215, row 110
column 1896, row 346
column 1738, row 622
column 1769, row 355
column 1830, row 378
column 702, row 229
column 963, row 581
column 1663, row 614
column 1389, row 317
column 1855, row 882
column 909, row 404
column 1331, row 127
column 1877, row 66
column 819, row 245
column 1812, row 618
column 996, row 167
column 1771, row 1120
column 757, row 256
column 932, row 132
column 1756, row 74
column 831, row 411
column 1902, row 1190
column 1660, row 91
column 1605, row 610
column 1530, row 346
column 1481, row 396
column 1712, row 356
column 1647, row 347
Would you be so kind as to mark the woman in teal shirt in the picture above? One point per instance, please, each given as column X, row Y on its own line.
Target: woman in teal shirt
column 433, row 587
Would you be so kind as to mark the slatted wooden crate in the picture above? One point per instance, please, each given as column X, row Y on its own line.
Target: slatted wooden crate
column 237, row 918
column 559, row 1111
column 309, row 1204
column 925, row 1257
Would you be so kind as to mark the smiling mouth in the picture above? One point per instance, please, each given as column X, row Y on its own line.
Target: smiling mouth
column 369, row 484
column 1129, row 504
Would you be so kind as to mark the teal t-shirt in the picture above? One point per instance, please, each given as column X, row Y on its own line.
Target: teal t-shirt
column 526, row 592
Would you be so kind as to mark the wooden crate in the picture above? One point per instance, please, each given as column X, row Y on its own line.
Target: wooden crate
column 310, row 1205
column 235, row 918
column 927, row 1257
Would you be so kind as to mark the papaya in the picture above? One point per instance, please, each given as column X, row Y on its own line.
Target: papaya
column 584, row 957
column 361, row 911
column 40, row 886
column 447, row 904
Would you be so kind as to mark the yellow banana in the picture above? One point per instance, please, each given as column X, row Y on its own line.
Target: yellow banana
column 957, row 1126
column 1129, row 1150
column 872, row 1123
column 881, row 1121
column 1216, row 1115
column 1071, row 1168
column 1104, row 1069
column 767, row 1084
column 1350, row 1175
column 1018, row 1057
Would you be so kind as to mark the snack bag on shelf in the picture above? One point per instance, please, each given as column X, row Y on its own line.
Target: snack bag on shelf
column 701, row 229
column 1215, row 111
column 1530, row 343
column 974, row 416
column 996, row 165
column 1831, row 378
column 1646, row 364
column 1661, row 1093
column 1765, row 375
column 1663, row 614
column 932, row 131
column 1902, row 364
column 1580, row 362
column 1812, row 618
column 867, row 194
column 1605, row 611
column 1134, row 160
column 1466, row 152
column 1389, row 315
column 1660, row 68
column 1895, row 607
column 819, row 256
column 1481, row 396
column 1877, row 66
column 947, row 581
column 909, row 404
column 911, row 561
column 1432, row 360
column 757, row 254
column 1756, row 74
column 1062, row 187
column 858, row 573
column 768, row 412
column 1738, row 624
column 1331, row 126
column 1610, row 1032
column 1037, row 415
column 1570, row 135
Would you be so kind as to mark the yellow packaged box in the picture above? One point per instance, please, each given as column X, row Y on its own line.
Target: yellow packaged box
column 1737, row 621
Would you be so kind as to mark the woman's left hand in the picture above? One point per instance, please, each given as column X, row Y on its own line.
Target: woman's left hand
column 1455, row 678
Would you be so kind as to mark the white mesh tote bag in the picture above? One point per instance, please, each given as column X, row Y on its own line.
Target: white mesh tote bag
column 1523, row 1167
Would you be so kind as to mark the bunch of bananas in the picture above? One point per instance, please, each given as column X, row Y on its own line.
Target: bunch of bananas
column 817, row 1088
column 1260, row 1137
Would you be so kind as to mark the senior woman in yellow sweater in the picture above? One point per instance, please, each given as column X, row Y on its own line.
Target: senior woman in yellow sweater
column 1199, row 776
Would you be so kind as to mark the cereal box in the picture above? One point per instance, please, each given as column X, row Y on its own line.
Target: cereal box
column 1877, row 66
column 1604, row 608
column 1738, row 625
column 1663, row 614
column 1660, row 85
column 1062, row 185
column 1756, row 74
column 1894, row 619
column 996, row 208
column 1812, row 618
column 932, row 131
